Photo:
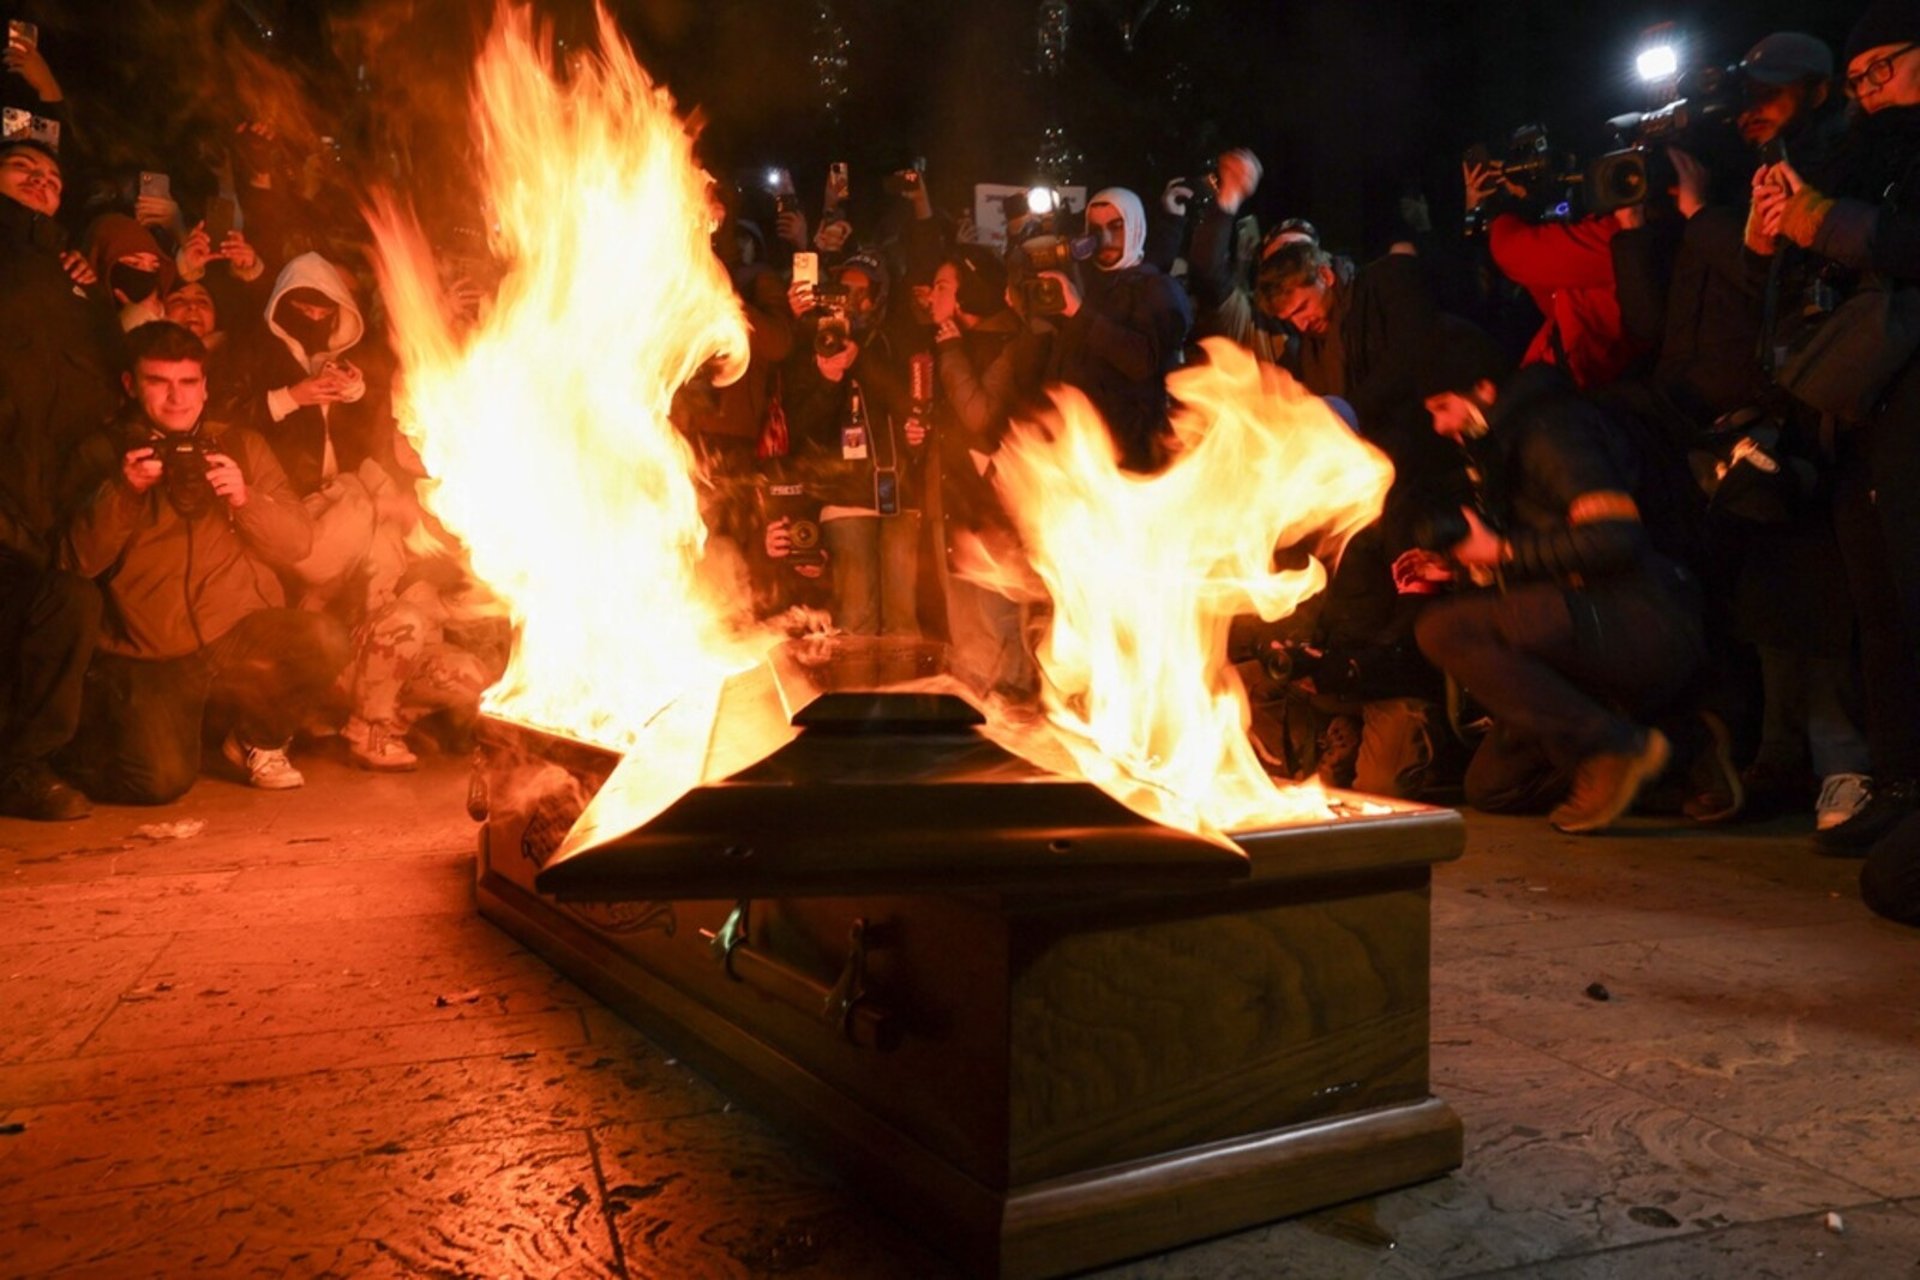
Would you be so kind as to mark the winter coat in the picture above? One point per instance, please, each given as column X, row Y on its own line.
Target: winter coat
column 173, row 585
column 1128, row 334
column 1567, row 267
column 59, row 353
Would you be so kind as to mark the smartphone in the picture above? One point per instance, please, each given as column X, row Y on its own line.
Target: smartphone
column 156, row 184
column 806, row 268
column 837, row 187
column 886, row 491
column 23, row 33
column 219, row 219
column 15, row 123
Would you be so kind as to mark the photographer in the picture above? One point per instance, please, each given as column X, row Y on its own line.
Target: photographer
column 186, row 530
column 1586, row 616
column 1868, row 222
column 1567, row 268
column 1122, row 330
column 856, row 439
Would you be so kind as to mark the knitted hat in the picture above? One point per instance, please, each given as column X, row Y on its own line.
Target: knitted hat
column 1885, row 22
column 114, row 236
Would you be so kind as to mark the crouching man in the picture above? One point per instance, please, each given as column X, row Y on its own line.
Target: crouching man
column 184, row 533
column 1591, row 632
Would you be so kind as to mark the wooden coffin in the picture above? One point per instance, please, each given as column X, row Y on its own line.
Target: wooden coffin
column 1040, row 1073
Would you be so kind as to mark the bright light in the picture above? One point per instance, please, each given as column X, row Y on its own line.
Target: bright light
column 1661, row 62
column 1041, row 200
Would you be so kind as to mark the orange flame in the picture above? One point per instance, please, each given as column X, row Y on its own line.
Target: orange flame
column 546, row 426
column 1147, row 572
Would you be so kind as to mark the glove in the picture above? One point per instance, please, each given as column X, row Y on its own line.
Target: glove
column 1805, row 210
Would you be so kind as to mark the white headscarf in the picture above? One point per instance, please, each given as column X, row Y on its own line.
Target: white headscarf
column 1134, row 215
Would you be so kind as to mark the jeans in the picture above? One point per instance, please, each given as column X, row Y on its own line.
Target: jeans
column 1807, row 715
column 875, row 565
column 141, row 720
column 49, row 621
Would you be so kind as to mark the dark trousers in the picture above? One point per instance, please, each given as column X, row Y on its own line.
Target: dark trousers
column 875, row 563
column 49, row 621
column 1565, row 674
column 1890, row 880
column 142, row 721
column 1881, row 578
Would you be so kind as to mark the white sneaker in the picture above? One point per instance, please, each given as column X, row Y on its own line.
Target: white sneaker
column 1841, row 796
column 266, row 767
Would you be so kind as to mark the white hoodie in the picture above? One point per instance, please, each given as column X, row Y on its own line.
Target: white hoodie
column 311, row 271
column 1134, row 215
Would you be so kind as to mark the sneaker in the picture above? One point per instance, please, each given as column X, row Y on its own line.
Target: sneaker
column 1886, row 806
column 1714, row 790
column 33, row 791
column 382, row 750
column 266, row 767
column 1841, row 796
column 1605, row 785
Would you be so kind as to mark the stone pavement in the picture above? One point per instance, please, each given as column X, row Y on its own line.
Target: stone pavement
column 286, row 1046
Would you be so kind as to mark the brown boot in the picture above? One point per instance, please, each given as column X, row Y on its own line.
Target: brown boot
column 1604, row 785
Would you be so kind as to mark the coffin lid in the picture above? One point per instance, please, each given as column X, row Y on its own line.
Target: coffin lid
column 886, row 791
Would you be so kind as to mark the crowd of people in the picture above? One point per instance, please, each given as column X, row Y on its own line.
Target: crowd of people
column 1661, row 551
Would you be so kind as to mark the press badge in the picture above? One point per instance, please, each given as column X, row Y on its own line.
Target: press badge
column 853, row 441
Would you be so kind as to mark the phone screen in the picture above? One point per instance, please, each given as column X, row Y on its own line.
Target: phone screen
column 806, row 268
column 219, row 219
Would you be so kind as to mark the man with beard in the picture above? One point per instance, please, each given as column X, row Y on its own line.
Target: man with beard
column 57, row 343
column 1574, row 612
column 1118, row 342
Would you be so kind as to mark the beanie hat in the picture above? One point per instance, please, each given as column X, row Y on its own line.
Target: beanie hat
column 983, row 279
column 1885, row 22
column 868, row 263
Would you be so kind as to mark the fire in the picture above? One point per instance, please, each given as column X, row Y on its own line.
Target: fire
column 545, row 427
column 1146, row 573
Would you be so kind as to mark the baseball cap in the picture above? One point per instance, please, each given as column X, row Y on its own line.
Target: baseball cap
column 1787, row 56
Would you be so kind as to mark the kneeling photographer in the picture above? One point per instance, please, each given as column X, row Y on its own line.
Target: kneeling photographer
column 1589, row 631
column 186, row 533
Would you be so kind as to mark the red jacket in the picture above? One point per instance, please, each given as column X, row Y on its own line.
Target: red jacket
column 1568, row 268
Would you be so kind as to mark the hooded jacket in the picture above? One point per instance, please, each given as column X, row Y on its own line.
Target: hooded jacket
column 174, row 584
column 314, row 442
column 114, row 236
column 1128, row 334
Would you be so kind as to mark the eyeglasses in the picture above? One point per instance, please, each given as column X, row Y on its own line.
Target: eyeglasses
column 1879, row 71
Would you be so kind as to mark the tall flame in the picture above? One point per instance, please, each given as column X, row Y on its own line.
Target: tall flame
column 1146, row 573
column 546, row 426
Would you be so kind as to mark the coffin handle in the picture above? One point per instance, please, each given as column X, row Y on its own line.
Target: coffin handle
column 844, row 1006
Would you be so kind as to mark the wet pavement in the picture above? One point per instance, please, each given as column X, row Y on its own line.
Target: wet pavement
column 283, row 1044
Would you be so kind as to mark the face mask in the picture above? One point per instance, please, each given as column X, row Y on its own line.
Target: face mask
column 308, row 332
column 132, row 283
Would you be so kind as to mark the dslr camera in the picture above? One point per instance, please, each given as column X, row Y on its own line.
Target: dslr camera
column 183, row 472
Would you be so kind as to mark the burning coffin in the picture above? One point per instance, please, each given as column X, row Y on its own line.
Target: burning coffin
column 1046, row 1031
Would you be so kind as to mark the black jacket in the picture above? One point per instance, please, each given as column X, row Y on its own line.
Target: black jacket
column 1128, row 334
column 59, row 354
column 1545, row 450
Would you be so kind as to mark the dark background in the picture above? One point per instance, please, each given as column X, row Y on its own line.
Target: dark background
column 1349, row 104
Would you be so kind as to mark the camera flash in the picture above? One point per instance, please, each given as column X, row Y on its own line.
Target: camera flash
column 1040, row 200
column 1657, row 63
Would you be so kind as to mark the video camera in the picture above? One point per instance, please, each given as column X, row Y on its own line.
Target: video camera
column 1030, row 259
column 1708, row 97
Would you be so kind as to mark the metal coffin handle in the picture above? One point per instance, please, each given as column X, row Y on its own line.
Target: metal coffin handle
column 843, row 1006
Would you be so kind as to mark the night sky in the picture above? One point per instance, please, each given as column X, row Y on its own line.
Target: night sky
column 1349, row 104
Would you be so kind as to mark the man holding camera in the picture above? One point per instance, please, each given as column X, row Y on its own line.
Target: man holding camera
column 185, row 531
column 1589, row 628
column 1122, row 331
